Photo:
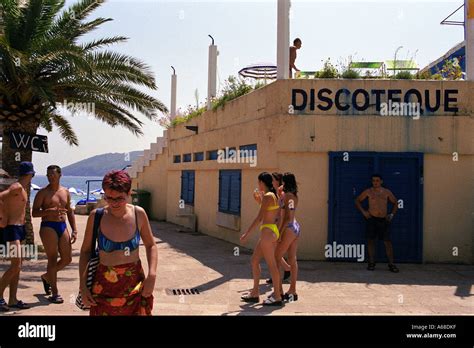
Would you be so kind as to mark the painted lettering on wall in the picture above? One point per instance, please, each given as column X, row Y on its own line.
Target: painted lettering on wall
column 344, row 99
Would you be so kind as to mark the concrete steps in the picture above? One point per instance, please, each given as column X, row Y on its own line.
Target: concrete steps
column 148, row 156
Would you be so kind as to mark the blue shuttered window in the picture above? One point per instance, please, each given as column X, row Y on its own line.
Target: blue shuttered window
column 187, row 157
column 177, row 159
column 212, row 155
column 187, row 186
column 229, row 191
column 198, row 156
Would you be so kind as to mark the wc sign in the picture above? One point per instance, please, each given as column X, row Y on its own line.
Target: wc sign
column 26, row 141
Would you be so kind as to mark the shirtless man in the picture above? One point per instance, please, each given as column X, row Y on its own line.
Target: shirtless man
column 14, row 200
column 53, row 204
column 296, row 46
column 377, row 219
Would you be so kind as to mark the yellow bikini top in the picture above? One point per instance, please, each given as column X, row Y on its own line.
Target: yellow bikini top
column 275, row 206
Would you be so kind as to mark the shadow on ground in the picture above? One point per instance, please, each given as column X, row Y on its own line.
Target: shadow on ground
column 219, row 256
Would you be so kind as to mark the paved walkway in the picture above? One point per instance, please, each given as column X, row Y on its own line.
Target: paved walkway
column 193, row 260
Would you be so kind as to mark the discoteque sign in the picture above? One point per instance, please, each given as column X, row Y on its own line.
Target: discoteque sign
column 343, row 99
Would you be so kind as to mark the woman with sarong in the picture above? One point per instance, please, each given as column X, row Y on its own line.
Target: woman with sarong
column 120, row 286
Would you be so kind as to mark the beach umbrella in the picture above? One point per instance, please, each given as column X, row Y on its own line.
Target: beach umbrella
column 260, row 71
column 73, row 190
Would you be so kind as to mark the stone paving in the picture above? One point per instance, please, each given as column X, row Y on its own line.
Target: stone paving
column 194, row 260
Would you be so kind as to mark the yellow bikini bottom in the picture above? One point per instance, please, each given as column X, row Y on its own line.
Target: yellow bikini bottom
column 272, row 227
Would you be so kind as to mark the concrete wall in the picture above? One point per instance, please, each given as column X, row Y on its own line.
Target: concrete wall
column 299, row 142
column 448, row 209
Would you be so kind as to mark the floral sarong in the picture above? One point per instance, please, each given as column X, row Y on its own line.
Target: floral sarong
column 117, row 291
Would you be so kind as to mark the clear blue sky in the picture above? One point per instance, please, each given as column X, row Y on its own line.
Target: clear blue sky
column 164, row 33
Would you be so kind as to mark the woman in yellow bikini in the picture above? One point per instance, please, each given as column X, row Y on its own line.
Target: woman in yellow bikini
column 277, row 181
column 269, row 234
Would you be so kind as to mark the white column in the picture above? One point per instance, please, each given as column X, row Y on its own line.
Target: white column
column 212, row 74
column 469, row 37
column 174, row 84
column 283, row 40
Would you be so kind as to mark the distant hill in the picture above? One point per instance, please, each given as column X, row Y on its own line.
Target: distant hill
column 100, row 164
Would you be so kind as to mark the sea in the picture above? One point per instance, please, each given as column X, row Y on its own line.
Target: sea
column 78, row 182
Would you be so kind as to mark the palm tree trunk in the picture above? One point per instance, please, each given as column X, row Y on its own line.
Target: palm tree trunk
column 11, row 159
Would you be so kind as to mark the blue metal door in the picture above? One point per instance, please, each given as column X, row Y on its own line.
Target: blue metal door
column 350, row 174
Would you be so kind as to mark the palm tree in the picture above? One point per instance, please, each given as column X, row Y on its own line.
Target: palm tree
column 43, row 64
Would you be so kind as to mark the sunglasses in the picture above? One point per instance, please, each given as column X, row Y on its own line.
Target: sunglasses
column 115, row 200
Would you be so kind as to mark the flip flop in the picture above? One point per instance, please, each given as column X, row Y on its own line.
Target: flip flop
column 248, row 299
column 56, row 299
column 46, row 286
column 272, row 302
column 19, row 305
column 3, row 306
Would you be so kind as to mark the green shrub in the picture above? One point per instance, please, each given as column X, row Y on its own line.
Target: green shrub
column 233, row 89
column 350, row 74
column 403, row 75
column 329, row 71
column 426, row 75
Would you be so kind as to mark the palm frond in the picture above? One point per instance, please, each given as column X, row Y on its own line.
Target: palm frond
column 68, row 23
column 103, row 42
column 37, row 17
column 46, row 123
column 113, row 65
column 65, row 129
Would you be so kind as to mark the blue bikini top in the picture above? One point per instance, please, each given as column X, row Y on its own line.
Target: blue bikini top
column 108, row 245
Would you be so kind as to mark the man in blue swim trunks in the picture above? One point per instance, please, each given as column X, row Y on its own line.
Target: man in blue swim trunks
column 53, row 204
column 14, row 201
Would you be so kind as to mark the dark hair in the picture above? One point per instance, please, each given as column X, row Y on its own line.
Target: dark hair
column 117, row 180
column 267, row 179
column 295, row 41
column 289, row 183
column 278, row 177
column 376, row 176
column 54, row 167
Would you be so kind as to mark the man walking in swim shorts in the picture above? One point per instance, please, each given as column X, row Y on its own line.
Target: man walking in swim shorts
column 14, row 201
column 53, row 204
column 378, row 222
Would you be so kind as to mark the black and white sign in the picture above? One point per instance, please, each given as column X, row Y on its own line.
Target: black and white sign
column 26, row 141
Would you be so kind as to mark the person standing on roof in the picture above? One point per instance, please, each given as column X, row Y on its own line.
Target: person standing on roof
column 296, row 46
